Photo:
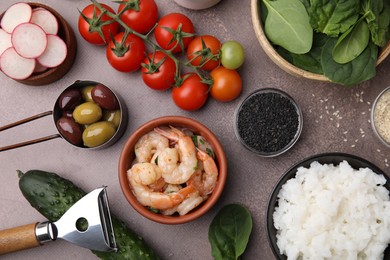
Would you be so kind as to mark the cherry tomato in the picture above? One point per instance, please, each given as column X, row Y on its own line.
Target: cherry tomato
column 159, row 76
column 192, row 94
column 171, row 22
column 209, row 52
column 129, row 56
column 141, row 20
column 89, row 30
column 232, row 55
column 227, row 84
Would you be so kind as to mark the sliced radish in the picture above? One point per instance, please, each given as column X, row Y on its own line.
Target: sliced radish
column 15, row 15
column 5, row 41
column 39, row 68
column 55, row 52
column 15, row 66
column 29, row 40
column 45, row 19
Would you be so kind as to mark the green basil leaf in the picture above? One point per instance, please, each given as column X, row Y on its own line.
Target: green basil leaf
column 354, row 72
column 351, row 43
column 287, row 25
column 333, row 17
column 229, row 232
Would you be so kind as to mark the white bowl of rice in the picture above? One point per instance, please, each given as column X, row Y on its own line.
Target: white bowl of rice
column 330, row 206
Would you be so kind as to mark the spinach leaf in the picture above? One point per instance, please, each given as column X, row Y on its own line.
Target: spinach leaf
column 333, row 17
column 306, row 3
column 352, row 42
column 360, row 69
column 377, row 15
column 287, row 25
column 229, row 232
column 285, row 54
column 310, row 61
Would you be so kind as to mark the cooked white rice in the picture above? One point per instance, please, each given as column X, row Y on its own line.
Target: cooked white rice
column 333, row 212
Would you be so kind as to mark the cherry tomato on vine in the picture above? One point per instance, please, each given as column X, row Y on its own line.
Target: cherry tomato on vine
column 140, row 15
column 158, row 71
column 173, row 28
column 232, row 55
column 192, row 94
column 88, row 25
column 126, row 55
column 227, row 84
column 204, row 49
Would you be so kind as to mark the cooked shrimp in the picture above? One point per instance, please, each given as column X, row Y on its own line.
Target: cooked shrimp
column 177, row 164
column 169, row 189
column 205, row 180
column 143, row 174
column 189, row 204
column 148, row 145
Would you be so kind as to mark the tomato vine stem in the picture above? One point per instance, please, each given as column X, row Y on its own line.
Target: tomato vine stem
column 145, row 37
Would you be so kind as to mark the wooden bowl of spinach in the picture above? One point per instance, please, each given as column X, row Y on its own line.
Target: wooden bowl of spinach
column 331, row 41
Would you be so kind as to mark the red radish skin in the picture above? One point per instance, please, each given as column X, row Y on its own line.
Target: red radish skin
column 5, row 41
column 29, row 40
column 15, row 66
column 55, row 52
column 15, row 15
column 45, row 19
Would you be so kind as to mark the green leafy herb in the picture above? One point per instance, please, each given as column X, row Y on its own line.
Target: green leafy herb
column 229, row 232
column 195, row 140
column 352, row 42
column 156, row 160
column 210, row 153
column 294, row 32
column 154, row 210
column 356, row 71
column 333, row 17
column 306, row 3
column 311, row 61
column 377, row 13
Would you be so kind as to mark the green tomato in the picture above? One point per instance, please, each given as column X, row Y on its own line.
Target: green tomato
column 232, row 56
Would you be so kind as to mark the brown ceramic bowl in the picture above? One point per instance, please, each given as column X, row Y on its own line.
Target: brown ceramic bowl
column 279, row 60
column 66, row 33
column 127, row 157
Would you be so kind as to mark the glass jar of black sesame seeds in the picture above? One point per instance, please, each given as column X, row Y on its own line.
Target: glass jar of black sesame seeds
column 268, row 122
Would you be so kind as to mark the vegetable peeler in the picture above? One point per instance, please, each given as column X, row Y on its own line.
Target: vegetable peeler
column 87, row 223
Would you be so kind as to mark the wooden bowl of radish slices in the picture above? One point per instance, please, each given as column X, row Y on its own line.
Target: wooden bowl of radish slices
column 37, row 45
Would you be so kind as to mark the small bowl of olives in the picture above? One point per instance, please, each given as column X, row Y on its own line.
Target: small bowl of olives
column 88, row 114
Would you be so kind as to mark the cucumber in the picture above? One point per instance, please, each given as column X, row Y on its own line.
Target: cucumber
column 53, row 195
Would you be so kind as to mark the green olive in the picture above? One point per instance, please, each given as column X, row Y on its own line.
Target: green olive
column 86, row 93
column 98, row 133
column 87, row 113
column 113, row 116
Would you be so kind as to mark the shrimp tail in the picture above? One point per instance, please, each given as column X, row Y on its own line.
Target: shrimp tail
column 203, row 156
column 183, row 194
column 173, row 134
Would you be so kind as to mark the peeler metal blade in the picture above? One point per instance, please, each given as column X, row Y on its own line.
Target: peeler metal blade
column 87, row 223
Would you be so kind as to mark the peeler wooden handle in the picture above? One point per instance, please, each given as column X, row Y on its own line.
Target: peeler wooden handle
column 18, row 238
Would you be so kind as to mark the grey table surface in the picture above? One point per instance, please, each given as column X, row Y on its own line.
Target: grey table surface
column 336, row 119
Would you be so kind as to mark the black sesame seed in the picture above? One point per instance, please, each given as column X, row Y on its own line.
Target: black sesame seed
column 267, row 122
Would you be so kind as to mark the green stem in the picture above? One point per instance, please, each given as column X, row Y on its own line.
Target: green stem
column 153, row 45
